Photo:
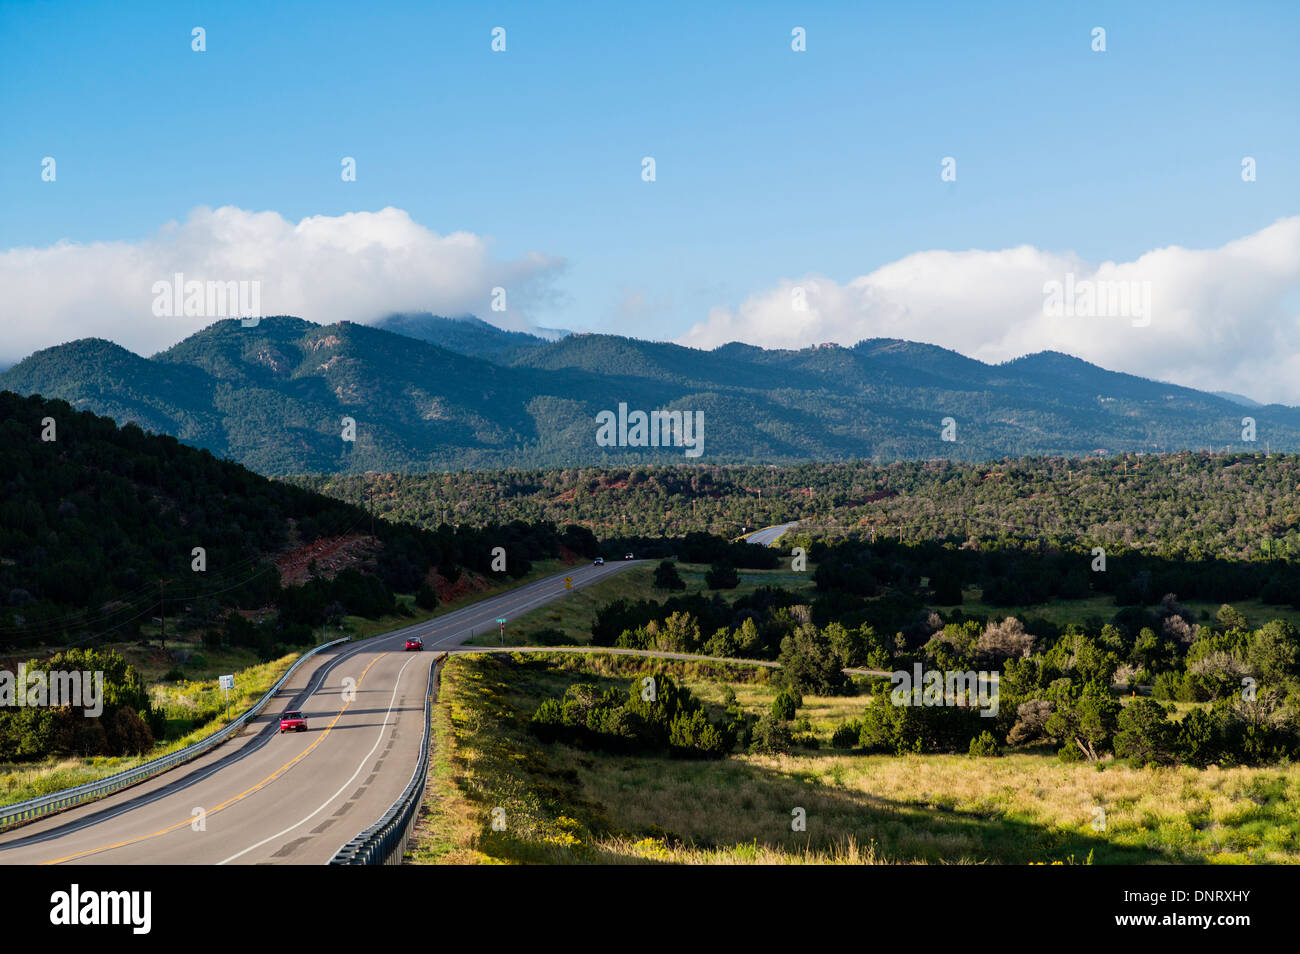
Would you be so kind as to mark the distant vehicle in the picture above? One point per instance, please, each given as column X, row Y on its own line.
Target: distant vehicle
column 627, row 556
column 415, row 644
column 293, row 720
column 600, row 561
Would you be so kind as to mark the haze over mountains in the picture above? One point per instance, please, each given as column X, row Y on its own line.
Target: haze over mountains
column 432, row 393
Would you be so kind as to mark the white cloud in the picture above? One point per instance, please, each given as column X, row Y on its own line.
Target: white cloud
column 359, row 267
column 1221, row 319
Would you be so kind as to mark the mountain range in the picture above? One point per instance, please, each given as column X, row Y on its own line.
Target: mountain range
column 430, row 393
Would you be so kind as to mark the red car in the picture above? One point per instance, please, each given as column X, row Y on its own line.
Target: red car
column 293, row 720
column 415, row 643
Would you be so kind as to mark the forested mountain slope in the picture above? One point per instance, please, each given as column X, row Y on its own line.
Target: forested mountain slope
column 274, row 397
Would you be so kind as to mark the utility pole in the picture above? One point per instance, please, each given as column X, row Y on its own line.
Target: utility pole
column 162, row 613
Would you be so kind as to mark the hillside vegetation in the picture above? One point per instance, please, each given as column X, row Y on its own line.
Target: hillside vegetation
column 274, row 397
column 114, row 541
column 500, row 793
column 1238, row 507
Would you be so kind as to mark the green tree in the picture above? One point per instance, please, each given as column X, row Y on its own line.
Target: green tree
column 809, row 664
column 722, row 576
column 1087, row 723
column 667, row 577
column 786, row 704
column 1145, row 734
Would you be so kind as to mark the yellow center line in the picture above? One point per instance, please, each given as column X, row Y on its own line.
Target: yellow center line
column 230, row 801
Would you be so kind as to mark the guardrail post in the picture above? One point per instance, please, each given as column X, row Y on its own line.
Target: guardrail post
column 384, row 843
column 22, row 812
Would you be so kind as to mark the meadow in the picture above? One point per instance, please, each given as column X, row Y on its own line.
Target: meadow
column 567, row 622
column 553, row 803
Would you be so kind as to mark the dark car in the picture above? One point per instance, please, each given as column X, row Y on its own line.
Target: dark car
column 600, row 561
column 293, row 720
column 415, row 643
column 627, row 556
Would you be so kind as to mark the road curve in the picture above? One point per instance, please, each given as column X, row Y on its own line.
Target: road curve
column 769, row 535
column 267, row 798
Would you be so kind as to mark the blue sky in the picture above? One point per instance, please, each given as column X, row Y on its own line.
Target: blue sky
column 771, row 164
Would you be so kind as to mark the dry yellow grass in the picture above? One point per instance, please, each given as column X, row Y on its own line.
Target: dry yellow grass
column 565, row 805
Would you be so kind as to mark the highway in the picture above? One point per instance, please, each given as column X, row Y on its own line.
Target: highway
column 267, row 798
column 769, row 535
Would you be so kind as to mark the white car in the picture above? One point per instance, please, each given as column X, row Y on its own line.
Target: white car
column 599, row 561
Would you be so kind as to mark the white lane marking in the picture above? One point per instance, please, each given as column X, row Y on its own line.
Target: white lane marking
column 430, row 628
column 362, row 764
column 528, row 605
column 226, row 761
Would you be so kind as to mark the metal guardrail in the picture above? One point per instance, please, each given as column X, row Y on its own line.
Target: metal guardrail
column 23, row 812
column 384, row 842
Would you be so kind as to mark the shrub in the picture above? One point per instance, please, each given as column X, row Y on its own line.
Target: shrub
column 1068, row 753
column 809, row 664
column 1145, row 735
column 984, row 745
column 426, row 597
column 549, row 636
column 786, row 703
column 771, row 737
column 846, row 735
column 722, row 576
column 669, row 719
column 667, row 577
column 1169, row 686
column 128, row 734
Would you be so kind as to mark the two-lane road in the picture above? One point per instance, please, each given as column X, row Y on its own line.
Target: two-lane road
column 293, row 798
column 769, row 535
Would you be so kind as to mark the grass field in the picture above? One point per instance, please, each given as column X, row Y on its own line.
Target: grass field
column 1103, row 607
column 573, row 615
column 557, row 804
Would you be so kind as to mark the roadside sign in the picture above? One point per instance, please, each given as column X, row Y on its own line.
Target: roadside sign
column 226, row 683
column 568, row 582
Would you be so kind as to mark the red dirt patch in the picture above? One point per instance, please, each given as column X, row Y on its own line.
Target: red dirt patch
column 331, row 555
column 466, row 584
